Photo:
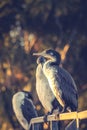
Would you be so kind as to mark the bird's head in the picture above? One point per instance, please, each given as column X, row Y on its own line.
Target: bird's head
column 28, row 95
column 41, row 60
column 50, row 54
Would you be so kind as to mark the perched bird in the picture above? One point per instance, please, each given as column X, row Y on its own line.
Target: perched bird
column 60, row 81
column 44, row 92
column 24, row 109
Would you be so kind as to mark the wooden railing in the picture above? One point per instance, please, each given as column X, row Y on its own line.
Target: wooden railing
column 63, row 116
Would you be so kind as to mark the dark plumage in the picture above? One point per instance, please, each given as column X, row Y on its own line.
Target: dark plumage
column 60, row 81
column 24, row 109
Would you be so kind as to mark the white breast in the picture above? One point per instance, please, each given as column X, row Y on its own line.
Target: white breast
column 17, row 101
column 43, row 90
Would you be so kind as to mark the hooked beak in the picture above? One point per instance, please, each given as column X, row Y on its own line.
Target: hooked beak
column 40, row 54
column 37, row 54
column 44, row 54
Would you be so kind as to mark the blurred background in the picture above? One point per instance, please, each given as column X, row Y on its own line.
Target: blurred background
column 28, row 26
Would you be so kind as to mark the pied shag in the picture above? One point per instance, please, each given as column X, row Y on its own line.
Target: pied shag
column 24, row 109
column 60, row 81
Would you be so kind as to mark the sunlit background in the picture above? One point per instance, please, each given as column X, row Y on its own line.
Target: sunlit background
column 28, row 26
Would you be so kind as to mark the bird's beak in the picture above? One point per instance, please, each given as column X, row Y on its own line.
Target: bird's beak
column 43, row 53
column 40, row 54
column 37, row 54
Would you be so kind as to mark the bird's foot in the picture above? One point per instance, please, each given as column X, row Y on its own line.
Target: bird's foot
column 45, row 117
column 63, row 110
column 56, row 113
column 66, row 109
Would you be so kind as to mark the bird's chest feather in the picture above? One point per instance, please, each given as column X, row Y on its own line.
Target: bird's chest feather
column 50, row 72
column 43, row 90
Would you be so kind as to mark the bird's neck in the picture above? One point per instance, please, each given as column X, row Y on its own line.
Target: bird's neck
column 48, row 64
column 53, row 61
column 42, row 64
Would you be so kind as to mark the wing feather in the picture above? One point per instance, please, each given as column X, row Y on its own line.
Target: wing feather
column 28, row 109
column 68, row 87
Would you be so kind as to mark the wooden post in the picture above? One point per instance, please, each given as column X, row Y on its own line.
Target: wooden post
column 32, row 126
column 77, row 123
column 51, row 125
column 55, row 125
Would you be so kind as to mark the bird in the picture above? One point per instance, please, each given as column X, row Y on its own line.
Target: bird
column 24, row 109
column 60, row 80
column 44, row 92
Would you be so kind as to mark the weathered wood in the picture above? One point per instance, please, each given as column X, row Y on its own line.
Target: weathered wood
column 62, row 116
column 82, row 114
column 55, row 125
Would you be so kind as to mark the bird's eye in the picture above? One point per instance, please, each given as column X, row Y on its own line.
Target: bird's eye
column 51, row 53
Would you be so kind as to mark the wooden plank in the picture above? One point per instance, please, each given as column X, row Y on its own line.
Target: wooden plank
column 82, row 114
column 67, row 116
column 37, row 120
column 62, row 116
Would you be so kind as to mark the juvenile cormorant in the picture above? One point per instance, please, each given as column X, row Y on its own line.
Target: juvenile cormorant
column 24, row 109
column 60, row 81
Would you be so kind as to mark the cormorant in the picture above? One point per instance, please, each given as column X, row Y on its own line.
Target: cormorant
column 60, row 81
column 43, row 89
column 45, row 94
column 24, row 109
